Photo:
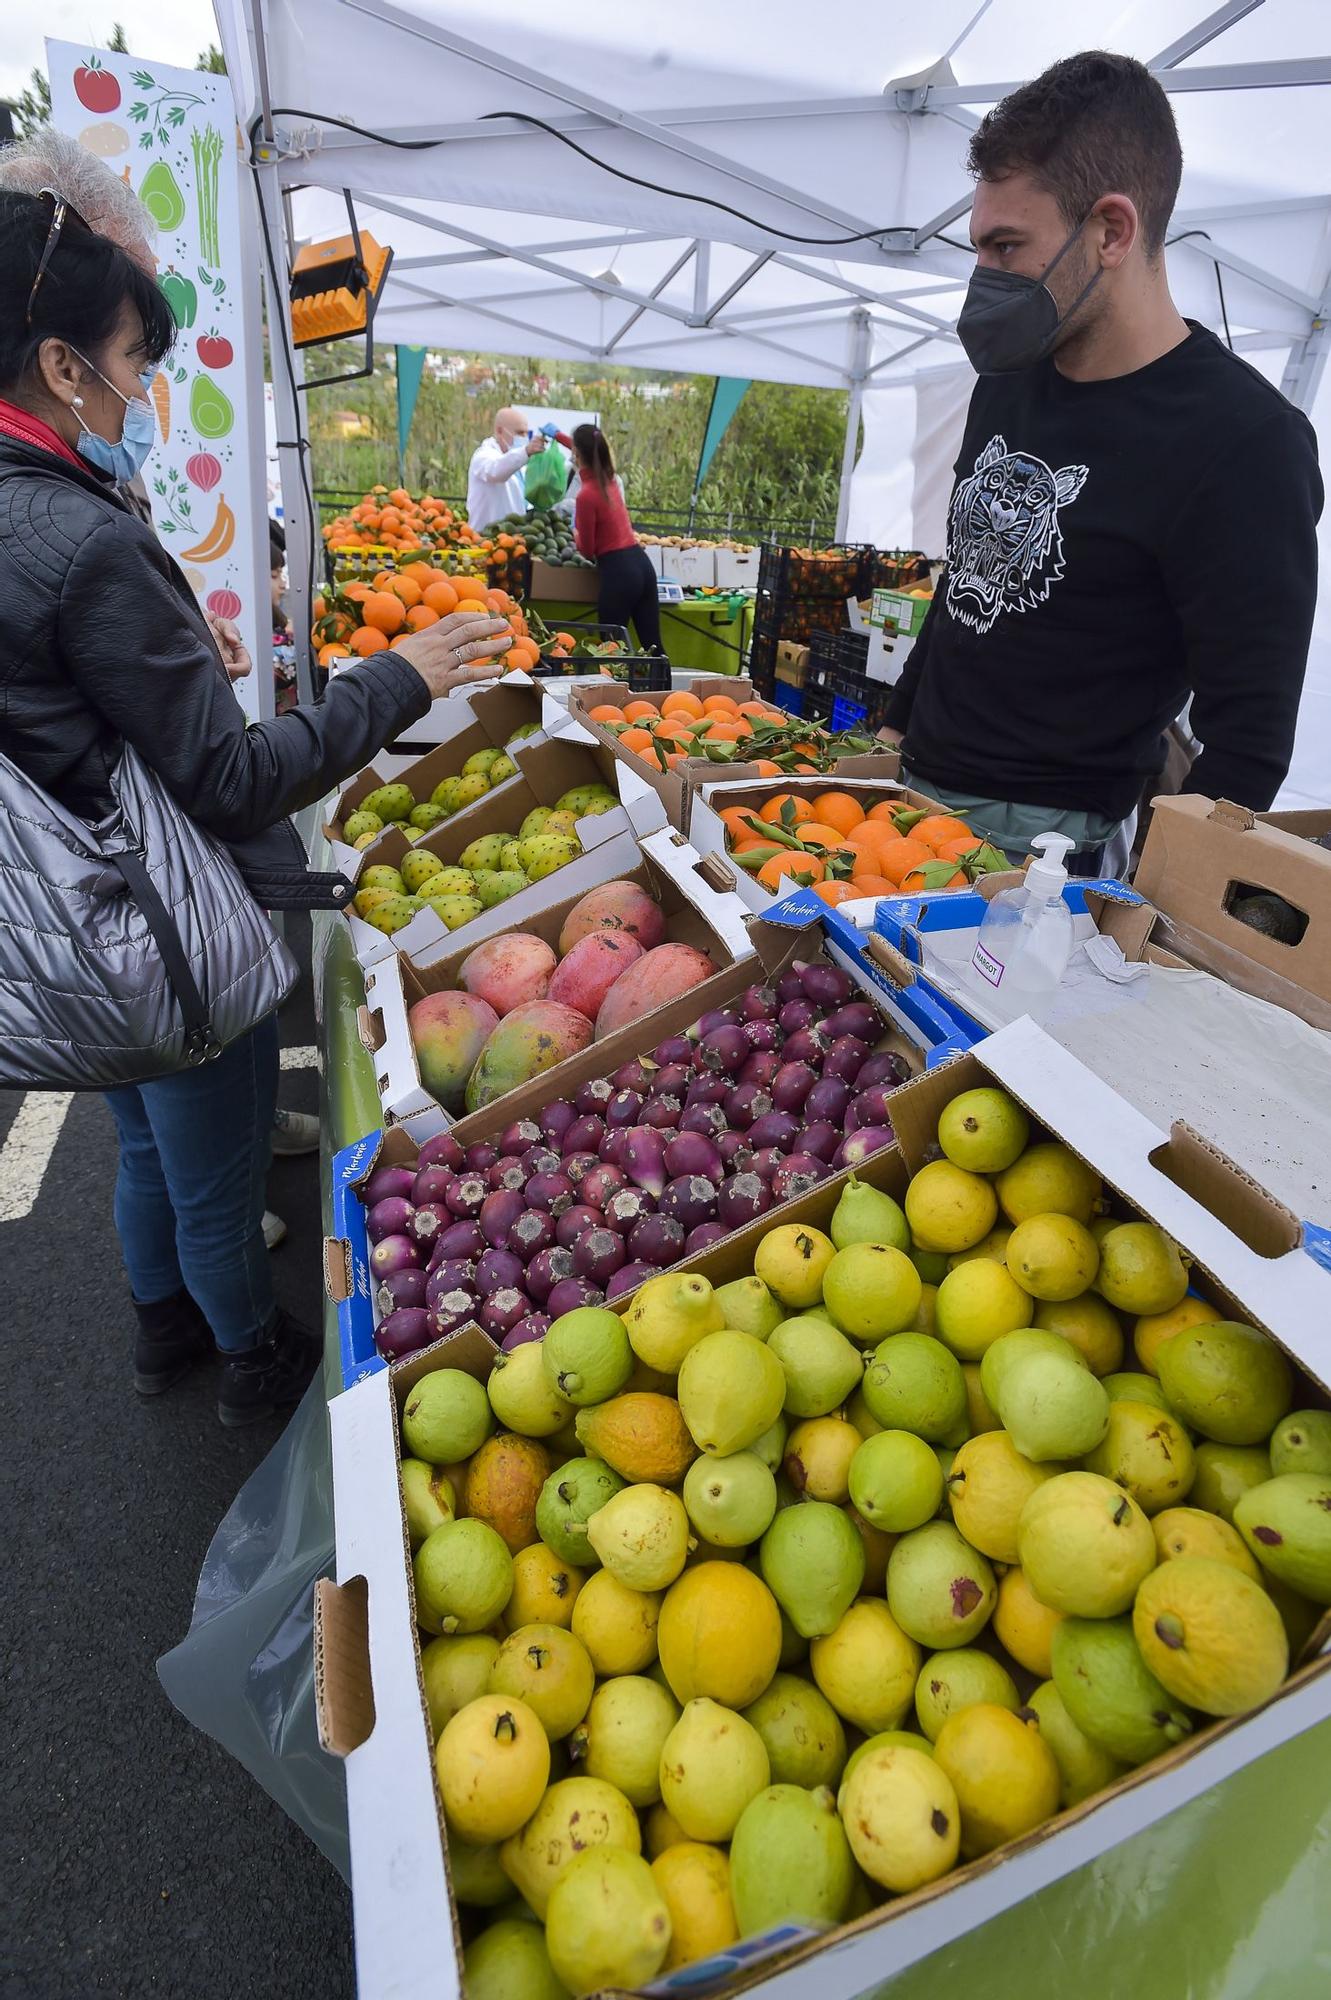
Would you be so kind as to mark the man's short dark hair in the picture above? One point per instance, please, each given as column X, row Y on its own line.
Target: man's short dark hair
column 1091, row 125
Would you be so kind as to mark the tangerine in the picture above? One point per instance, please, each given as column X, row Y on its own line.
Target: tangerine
column 641, row 711
column 797, row 868
column 682, row 704
column 775, row 815
column 440, row 596
column 385, row 612
column 833, row 893
column 840, row 810
column 407, row 588
column 914, row 882
column 420, row 616
column 367, row 639
column 897, row 857
column 938, row 828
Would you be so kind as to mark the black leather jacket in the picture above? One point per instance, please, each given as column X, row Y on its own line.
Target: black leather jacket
column 101, row 640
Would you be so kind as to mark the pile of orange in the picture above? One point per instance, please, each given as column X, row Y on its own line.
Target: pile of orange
column 405, row 522
column 682, row 726
column 365, row 618
column 845, row 851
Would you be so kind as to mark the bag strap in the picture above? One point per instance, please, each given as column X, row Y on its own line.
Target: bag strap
column 201, row 1043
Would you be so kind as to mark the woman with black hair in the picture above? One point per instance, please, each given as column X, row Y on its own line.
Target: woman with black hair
column 626, row 581
column 103, row 646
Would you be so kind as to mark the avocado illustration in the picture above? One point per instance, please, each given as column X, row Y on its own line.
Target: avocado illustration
column 210, row 411
column 161, row 197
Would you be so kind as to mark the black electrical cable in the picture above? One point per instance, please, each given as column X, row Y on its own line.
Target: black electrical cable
column 1182, row 237
column 634, row 180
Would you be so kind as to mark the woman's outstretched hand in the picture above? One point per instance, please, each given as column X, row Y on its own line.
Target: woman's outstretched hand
column 465, row 646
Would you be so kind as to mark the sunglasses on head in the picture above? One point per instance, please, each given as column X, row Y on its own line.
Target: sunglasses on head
column 62, row 212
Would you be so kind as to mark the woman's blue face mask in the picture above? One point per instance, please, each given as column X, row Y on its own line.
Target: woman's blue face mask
column 125, row 457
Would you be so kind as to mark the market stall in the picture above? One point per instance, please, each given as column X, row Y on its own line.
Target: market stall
column 924, row 1459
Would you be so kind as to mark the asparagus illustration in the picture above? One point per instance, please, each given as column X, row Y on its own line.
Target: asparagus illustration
column 207, row 146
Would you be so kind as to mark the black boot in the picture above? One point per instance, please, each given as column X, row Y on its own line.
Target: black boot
column 173, row 1334
column 270, row 1377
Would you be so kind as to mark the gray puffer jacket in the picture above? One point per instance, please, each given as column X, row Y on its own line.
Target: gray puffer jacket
column 102, row 642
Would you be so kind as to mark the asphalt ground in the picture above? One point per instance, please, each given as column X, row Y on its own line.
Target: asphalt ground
column 138, row 1857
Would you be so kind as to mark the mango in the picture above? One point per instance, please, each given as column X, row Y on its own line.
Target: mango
column 509, row 971
column 449, row 1032
column 616, row 907
column 531, row 1039
column 659, row 975
column 587, row 973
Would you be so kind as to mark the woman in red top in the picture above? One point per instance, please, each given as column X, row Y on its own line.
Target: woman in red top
column 604, row 534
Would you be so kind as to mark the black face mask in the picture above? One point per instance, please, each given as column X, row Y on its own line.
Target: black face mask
column 1008, row 321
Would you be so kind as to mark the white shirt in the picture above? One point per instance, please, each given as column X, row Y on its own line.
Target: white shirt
column 495, row 484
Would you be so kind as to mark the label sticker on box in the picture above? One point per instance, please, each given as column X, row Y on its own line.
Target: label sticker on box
column 987, row 967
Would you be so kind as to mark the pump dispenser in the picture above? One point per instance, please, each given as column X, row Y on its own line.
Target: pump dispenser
column 1027, row 935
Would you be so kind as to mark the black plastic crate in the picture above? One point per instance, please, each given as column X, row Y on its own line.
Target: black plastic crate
column 845, row 698
column 844, row 650
column 845, row 570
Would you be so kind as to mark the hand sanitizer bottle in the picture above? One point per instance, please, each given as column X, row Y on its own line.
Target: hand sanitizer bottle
column 1027, row 936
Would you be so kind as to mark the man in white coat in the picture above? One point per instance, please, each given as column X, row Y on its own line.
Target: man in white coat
column 494, row 479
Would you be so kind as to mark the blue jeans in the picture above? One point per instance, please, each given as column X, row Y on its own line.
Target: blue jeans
column 194, row 1152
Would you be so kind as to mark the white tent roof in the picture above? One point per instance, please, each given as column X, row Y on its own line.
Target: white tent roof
column 504, row 235
column 746, row 127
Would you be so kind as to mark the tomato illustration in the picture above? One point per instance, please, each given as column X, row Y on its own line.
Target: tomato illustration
column 95, row 87
column 215, row 351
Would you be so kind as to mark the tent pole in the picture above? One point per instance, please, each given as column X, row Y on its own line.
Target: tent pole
column 859, row 364
column 292, row 442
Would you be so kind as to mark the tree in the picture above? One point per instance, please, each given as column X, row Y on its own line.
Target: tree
column 32, row 107
column 212, row 60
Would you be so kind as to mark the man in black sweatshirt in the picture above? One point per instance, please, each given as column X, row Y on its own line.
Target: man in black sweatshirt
column 1133, row 520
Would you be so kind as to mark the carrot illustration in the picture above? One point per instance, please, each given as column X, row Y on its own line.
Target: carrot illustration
column 161, row 395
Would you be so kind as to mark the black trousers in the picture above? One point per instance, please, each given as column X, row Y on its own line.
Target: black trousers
column 627, row 592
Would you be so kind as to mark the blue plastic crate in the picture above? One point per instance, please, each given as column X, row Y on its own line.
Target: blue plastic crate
column 355, row 1312
column 913, row 1008
column 787, row 697
column 846, row 714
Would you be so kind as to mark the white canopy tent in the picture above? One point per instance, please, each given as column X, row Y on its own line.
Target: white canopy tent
column 752, row 190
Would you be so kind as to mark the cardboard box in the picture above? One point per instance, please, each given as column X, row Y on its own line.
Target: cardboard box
column 515, row 695
column 1200, row 855
column 695, row 568
column 346, row 1252
column 737, row 569
column 654, row 553
column 545, row 773
column 868, row 779
column 896, row 611
column 792, row 663
column 371, row 1706
column 564, row 584
column 484, row 718
column 677, row 789
column 667, row 868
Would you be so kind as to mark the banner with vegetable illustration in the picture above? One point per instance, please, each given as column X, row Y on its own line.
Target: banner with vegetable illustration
column 171, row 136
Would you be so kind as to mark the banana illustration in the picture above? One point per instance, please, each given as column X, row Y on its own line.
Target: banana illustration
column 218, row 539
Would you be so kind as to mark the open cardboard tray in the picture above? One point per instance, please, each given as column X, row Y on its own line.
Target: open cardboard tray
column 1198, row 854
column 663, row 864
column 368, row 1688
column 678, row 789
column 483, row 718
column 346, row 1251
column 516, row 688
column 545, row 772
column 563, row 583
column 867, row 780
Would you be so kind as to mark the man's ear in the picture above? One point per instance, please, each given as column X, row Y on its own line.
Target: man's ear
column 1119, row 228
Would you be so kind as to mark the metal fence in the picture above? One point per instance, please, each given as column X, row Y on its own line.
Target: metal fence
column 813, row 531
